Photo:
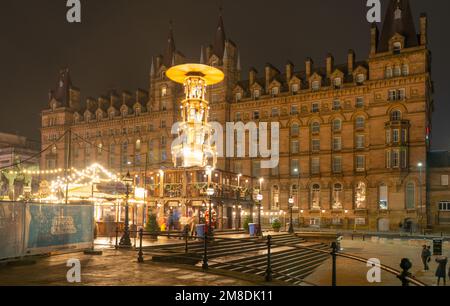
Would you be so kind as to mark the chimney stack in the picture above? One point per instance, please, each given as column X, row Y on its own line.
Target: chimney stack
column 252, row 76
column 270, row 73
column 351, row 61
column 289, row 71
column 373, row 39
column 330, row 64
column 423, row 29
column 309, row 67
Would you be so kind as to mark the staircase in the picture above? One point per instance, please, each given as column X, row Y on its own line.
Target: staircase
column 249, row 256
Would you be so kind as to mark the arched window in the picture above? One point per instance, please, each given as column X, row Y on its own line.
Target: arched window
column 163, row 91
column 100, row 149
column 397, row 71
column 360, row 78
column 138, row 145
column 275, row 198
column 360, row 122
column 360, row 196
column 337, row 125
column 397, row 47
column 410, row 196
column 295, row 129
column 315, row 85
column 315, row 127
column 315, row 197
column 405, row 70
column 112, row 153
column 54, row 150
column 337, row 82
column 124, row 153
column 337, row 196
column 388, row 72
column 396, row 115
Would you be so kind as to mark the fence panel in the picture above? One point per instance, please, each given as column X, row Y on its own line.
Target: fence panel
column 32, row 229
column 11, row 229
column 58, row 227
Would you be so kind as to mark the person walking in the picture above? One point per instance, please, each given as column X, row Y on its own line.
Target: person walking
column 441, row 271
column 426, row 257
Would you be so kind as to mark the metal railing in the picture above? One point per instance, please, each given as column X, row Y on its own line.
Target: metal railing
column 404, row 276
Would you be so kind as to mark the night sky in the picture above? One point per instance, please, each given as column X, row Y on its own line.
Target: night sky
column 113, row 46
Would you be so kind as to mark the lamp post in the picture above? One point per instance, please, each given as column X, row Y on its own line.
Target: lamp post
column 420, row 166
column 125, row 241
column 291, row 208
column 210, row 193
column 260, row 198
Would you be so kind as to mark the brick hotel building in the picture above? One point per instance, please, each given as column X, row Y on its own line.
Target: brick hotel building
column 352, row 135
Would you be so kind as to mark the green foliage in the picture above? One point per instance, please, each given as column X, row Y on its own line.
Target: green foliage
column 276, row 224
column 152, row 224
column 247, row 221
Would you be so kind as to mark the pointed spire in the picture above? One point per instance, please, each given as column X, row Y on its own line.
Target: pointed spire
column 219, row 41
column 152, row 69
column 170, row 48
column 398, row 19
column 238, row 65
column 202, row 58
column 225, row 54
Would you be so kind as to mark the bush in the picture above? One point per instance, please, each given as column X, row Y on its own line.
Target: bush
column 247, row 221
column 276, row 224
column 152, row 224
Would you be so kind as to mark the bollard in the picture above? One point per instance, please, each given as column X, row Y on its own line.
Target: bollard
column 269, row 262
column 140, row 254
column 334, row 246
column 405, row 265
column 117, row 238
column 205, row 254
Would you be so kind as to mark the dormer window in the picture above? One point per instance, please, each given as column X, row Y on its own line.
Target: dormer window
column 238, row 96
column 360, row 78
column 337, row 83
column 295, row 88
column 397, row 47
column 124, row 111
column 111, row 114
column 275, row 91
column 315, row 85
column 256, row 94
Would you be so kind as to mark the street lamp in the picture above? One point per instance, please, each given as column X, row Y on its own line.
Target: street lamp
column 291, row 207
column 260, row 198
column 125, row 241
column 420, row 166
column 210, row 193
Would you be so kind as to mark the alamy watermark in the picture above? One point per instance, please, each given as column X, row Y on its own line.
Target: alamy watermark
column 74, row 273
column 74, row 12
column 258, row 140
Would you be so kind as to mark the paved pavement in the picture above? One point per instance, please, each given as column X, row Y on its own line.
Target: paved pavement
column 112, row 268
column 351, row 273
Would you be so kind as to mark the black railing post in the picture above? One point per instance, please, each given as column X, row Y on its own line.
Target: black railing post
column 117, row 238
column 405, row 265
column 334, row 247
column 141, row 254
column 205, row 253
column 269, row 259
column 186, row 239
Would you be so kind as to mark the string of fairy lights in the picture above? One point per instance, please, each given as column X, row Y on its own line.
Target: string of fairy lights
column 85, row 177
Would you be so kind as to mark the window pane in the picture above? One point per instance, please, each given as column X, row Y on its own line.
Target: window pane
column 410, row 196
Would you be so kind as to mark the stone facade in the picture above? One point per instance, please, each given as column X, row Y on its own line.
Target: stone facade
column 351, row 137
column 439, row 190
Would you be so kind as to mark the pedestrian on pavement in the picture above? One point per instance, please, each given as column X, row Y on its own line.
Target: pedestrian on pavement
column 441, row 271
column 426, row 257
